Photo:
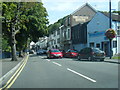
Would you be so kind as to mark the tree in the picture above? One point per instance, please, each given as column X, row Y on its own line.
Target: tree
column 117, row 12
column 23, row 20
column 56, row 25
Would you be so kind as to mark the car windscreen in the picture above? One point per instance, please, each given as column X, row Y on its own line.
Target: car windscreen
column 97, row 50
column 55, row 51
column 73, row 51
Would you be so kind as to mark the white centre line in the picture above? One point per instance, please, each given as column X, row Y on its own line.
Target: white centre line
column 47, row 59
column 81, row 75
column 57, row 64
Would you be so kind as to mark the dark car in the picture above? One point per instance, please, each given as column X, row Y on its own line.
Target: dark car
column 39, row 52
column 91, row 54
column 54, row 53
column 71, row 53
column 31, row 52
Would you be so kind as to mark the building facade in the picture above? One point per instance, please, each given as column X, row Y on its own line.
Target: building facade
column 96, row 29
column 65, row 34
column 85, row 27
column 79, row 21
column 54, row 40
column 42, row 43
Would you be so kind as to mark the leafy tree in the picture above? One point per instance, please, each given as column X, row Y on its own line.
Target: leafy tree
column 22, row 21
column 56, row 25
column 117, row 12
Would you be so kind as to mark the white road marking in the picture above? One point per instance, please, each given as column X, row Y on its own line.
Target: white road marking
column 81, row 75
column 57, row 64
column 47, row 59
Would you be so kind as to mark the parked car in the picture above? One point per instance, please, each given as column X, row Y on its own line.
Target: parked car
column 91, row 54
column 71, row 53
column 54, row 53
column 44, row 51
column 39, row 52
column 31, row 51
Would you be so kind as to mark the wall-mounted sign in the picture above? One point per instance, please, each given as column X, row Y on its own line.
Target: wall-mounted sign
column 80, row 18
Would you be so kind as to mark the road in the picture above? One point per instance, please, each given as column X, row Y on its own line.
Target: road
column 41, row 72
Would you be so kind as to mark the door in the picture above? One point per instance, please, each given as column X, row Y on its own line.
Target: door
column 105, row 47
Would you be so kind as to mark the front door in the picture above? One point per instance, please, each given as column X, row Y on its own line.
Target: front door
column 105, row 48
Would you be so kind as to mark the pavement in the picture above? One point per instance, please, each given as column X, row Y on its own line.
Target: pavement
column 8, row 68
column 107, row 59
column 6, row 65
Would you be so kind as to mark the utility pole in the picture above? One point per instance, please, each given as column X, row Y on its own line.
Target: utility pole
column 110, row 26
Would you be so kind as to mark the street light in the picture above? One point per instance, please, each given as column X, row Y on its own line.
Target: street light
column 110, row 25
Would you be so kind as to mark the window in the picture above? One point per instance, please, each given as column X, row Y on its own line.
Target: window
column 58, row 32
column 118, row 32
column 68, row 21
column 68, row 33
column 92, row 44
column 97, row 45
column 58, row 40
column 118, row 27
column 114, row 44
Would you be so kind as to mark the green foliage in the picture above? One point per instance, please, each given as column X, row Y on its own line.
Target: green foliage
column 5, row 45
column 31, row 22
column 56, row 25
column 117, row 12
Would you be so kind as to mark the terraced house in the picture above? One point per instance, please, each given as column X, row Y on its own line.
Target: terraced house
column 88, row 27
column 85, row 27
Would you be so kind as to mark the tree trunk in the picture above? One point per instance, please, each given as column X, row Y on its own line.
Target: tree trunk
column 14, row 57
column 13, row 45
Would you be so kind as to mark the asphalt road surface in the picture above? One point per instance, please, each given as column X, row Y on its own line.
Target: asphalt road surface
column 41, row 72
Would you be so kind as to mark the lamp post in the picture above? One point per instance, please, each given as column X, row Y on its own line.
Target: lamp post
column 110, row 25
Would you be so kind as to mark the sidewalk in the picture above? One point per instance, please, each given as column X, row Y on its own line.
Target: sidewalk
column 7, row 65
column 107, row 59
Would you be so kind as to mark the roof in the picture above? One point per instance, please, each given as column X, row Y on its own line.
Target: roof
column 86, row 4
column 114, row 17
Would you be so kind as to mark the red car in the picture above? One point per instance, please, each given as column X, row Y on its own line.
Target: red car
column 54, row 53
column 71, row 53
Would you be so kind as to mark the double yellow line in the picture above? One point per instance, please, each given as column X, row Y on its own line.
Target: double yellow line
column 15, row 75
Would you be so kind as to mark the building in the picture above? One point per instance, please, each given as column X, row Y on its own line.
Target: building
column 42, row 43
column 65, row 34
column 54, row 39
column 79, row 21
column 86, row 27
column 96, row 29
column 118, row 32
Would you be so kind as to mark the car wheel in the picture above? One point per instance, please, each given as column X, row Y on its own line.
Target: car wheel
column 48, row 56
column 101, row 59
column 78, row 58
column 91, row 59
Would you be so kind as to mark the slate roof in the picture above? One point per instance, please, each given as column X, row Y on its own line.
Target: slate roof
column 114, row 17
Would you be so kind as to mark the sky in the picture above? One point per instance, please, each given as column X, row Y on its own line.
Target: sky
column 59, row 8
